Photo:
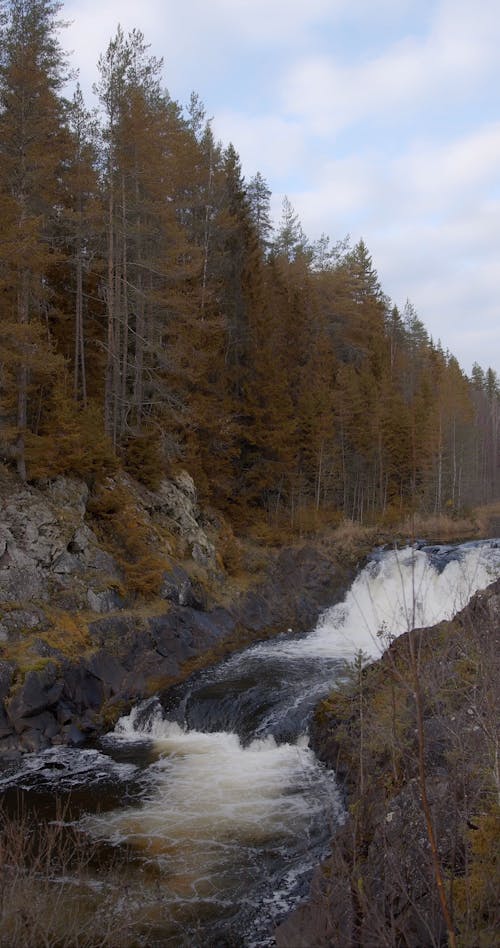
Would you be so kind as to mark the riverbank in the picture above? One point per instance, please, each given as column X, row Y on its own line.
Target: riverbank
column 110, row 595
column 379, row 886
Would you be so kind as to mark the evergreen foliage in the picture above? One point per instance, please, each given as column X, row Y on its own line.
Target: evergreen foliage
column 149, row 309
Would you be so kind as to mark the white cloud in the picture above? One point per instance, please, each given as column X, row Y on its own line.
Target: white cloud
column 431, row 219
column 447, row 186
column 453, row 174
column 198, row 38
column 267, row 21
column 370, row 116
column 456, row 54
column 270, row 144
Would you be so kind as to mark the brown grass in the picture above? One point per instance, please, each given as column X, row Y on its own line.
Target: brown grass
column 126, row 531
column 441, row 528
column 488, row 519
column 46, row 895
column 67, row 633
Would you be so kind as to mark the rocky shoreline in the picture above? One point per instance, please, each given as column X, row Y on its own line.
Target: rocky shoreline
column 77, row 648
column 378, row 886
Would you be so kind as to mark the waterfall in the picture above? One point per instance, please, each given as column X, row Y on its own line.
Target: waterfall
column 223, row 805
column 401, row 590
column 226, row 808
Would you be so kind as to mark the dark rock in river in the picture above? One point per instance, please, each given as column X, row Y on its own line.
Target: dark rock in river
column 51, row 560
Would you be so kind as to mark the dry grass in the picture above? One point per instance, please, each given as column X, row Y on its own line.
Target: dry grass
column 350, row 541
column 478, row 523
column 441, row 528
column 67, row 634
column 126, row 531
column 488, row 519
column 47, row 896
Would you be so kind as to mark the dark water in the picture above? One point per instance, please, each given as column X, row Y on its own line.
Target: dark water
column 208, row 796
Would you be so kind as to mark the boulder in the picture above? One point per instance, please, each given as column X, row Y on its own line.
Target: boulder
column 39, row 691
column 106, row 600
column 107, row 669
column 178, row 588
column 21, row 620
column 184, row 631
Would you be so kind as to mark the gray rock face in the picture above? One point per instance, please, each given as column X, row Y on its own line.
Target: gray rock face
column 38, row 692
column 19, row 620
column 47, row 552
column 175, row 503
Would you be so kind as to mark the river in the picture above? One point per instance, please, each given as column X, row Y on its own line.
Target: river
column 208, row 806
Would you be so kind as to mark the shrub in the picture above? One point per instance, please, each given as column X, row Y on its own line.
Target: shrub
column 130, row 537
column 143, row 458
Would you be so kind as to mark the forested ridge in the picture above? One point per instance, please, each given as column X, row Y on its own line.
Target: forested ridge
column 153, row 317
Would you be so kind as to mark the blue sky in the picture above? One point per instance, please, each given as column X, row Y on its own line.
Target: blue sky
column 378, row 118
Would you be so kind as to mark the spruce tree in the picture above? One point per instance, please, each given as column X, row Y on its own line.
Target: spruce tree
column 33, row 146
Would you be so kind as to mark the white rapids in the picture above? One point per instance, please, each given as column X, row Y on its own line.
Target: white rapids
column 398, row 591
column 219, row 816
column 212, row 807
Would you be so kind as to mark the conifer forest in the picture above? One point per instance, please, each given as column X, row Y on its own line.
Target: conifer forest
column 154, row 316
column 249, row 535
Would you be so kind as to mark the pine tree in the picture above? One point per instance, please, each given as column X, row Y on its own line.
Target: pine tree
column 33, row 146
column 290, row 239
column 82, row 224
column 113, row 66
column 259, row 202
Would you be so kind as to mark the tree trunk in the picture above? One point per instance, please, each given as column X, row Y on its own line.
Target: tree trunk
column 22, row 378
column 110, row 301
column 125, row 326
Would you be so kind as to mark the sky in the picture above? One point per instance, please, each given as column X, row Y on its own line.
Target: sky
column 377, row 118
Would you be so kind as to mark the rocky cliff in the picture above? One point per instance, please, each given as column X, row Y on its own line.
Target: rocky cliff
column 106, row 596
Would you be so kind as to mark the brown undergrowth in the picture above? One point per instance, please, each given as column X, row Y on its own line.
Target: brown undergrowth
column 140, row 548
column 390, row 760
column 47, row 893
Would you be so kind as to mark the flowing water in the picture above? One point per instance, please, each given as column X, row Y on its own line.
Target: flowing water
column 215, row 807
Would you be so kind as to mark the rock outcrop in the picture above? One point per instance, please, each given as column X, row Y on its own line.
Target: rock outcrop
column 74, row 641
column 175, row 505
column 48, row 552
column 79, row 647
column 67, row 700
